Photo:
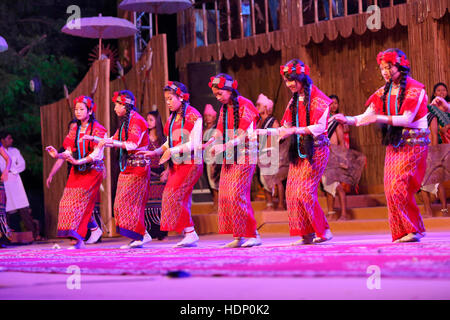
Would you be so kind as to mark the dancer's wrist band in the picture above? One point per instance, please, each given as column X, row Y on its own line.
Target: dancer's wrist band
column 351, row 120
column 272, row 131
column 117, row 144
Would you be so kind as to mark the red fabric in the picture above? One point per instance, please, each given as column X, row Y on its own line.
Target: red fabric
column 129, row 204
column 247, row 114
column 305, row 214
column 69, row 141
column 137, row 126
column 190, row 117
column 177, row 197
column 235, row 210
column 319, row 103
column 82, row 188
column 78, row 201
column 412, row 94
column 404, row 169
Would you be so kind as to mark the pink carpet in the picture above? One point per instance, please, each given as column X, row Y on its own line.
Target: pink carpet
column 417, row 260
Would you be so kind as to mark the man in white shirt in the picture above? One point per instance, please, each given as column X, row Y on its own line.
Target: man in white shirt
column 16, row 197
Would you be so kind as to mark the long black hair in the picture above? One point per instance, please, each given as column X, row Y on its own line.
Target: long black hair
column 447, row 98
column 78, row 122
column 184, row 104
column 235, row 100
column 391, row 134
column 125, row 122
column 159, row 127
column 307, row 144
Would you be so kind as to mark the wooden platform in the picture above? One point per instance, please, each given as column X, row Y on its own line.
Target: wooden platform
column 369, row 212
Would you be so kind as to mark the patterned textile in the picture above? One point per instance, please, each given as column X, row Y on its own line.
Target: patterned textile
column 177, row 197
column 305, row 214
column 413, row 89
column 129, row 205
column 153, row 206
column 190, row 117
column 404, row 169
column 248, row 115
column 76, row 207
column 344, row 166
column 82, row 188
column 137, row 135
column 438, row 165
column 319, row 103
column 235, row 211
column 424, row 260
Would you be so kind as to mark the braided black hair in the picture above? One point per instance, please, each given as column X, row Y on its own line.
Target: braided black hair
column 184, row 104
column 307, row 141
column 235, row 99
column 392, row 134
column 78, row 122
column 125, row 120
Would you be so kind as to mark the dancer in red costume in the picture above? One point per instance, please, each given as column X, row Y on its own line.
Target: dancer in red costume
column 401, row 106
column 238, row 117
column 305, row 119
column 183, row 146
column 134, row 178
column 86, row 175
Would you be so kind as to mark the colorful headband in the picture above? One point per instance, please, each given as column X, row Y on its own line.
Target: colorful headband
column 289, row 69
column 183, row 96
column 222, row 83
column 392, row 58
column 121, row 98
column 90, row 104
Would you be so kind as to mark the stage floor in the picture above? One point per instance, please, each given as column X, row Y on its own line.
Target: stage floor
column 348, row 267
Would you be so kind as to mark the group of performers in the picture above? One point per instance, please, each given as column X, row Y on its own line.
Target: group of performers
column 400, row 106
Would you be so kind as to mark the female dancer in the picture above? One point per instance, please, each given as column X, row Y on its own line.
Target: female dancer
column 86, row 175
column 306, row 119
column 184, row 132
column 237, row 117
column 158, row 178
column 438, row 164
column 401, row 106
column 134, row 177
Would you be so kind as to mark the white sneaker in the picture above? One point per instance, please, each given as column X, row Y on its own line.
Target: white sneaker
column 78, row 245
column 327, row 236
column 410, row 237
column 138, row 243
column 95, row 235
column 306, row 239
column 190, row 240
column 252, row 242
column 236, row 243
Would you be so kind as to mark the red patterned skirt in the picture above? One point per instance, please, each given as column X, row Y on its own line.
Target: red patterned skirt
column 305, row 214
column 129, row 205
column 235, row 210
column 177, row 197
column 77, row 203
column 404, row 169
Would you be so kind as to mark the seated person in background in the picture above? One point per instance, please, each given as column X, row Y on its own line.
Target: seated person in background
column 271, row 181
column 438, row 158
column 344, row 166
column 212, row 169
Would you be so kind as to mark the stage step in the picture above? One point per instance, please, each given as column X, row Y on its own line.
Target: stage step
column 353, row 201
column 367, row 219
column 360, row 226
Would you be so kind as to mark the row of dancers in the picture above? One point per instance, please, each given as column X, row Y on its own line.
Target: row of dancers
column 400, row 106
